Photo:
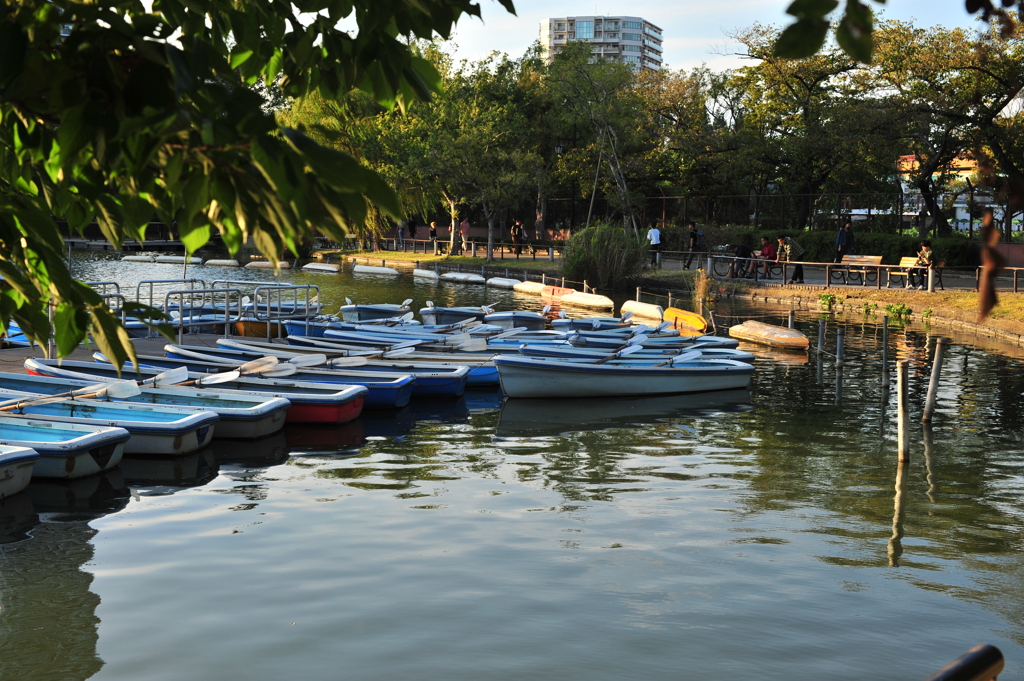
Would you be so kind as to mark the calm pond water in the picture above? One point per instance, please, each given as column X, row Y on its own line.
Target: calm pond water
column 753, row 535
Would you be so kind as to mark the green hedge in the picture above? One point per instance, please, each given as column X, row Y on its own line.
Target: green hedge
column 955, row 251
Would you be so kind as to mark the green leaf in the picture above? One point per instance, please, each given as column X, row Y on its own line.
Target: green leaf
column 811, row 9
column 854, row 32
column 69, row 326
column 801, row 39
column 194, row 236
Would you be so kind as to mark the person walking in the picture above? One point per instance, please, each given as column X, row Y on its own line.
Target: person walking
column 844, row 242
column 654, row 238
column 695, row 242
column 401, row 234
column 517, row 237
column 464, row 232
column 789, row 250
column 433, row 236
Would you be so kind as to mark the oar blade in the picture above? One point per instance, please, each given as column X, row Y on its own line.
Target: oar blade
column 119, row 390
column 398, row 353
column 279, row 371
column 214, row 379
column 340, row 362
column 170, row 377
column 260, row 365
column 309, row 360
column 473, row 345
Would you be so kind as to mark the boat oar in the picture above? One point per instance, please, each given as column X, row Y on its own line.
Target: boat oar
column 627, row 350
column 684, row 357
column 626, row 317
column 116, row 390
column 311, row 360
column 269, row 367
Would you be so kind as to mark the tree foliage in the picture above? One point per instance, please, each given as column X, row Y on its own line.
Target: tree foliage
column 115, row 112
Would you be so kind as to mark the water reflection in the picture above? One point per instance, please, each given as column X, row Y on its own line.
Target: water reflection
column 528, row 418
column 48, row 622
column 166, row 474
column 17, row 517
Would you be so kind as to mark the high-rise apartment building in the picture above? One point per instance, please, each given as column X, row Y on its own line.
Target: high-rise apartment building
column 631, row 40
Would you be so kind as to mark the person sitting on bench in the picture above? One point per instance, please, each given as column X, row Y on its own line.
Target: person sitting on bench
column 925, row 261
column 743, row 265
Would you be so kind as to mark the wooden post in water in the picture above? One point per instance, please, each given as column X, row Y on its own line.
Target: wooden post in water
column 885, row 348
column 585, row 286
column 544, row 278
column 670, row 299
column 792, row 319
column 840, row 341
column 933, row 384
column 638, row 294
column 821, row 336
column 563, row 282
column 895, row 545
column 903, row 411
column 506, row 273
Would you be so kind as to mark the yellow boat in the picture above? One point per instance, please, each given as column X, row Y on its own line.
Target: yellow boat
column 769, row 334
column 685, row 321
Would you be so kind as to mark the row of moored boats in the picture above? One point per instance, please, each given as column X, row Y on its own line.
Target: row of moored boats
column 72, row 418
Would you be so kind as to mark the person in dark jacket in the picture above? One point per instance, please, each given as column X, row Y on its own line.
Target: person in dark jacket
column 744, row 264
column 844, row 242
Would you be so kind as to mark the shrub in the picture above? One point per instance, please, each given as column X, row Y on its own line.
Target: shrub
column 605, row 255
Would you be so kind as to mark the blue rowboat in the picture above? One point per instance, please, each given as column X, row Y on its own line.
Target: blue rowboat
column 480, row 374
column 424, row 383
column 16, row 465
column 644, row 355
column 383, row 392
column 242, row 416
column 548, row 377
column 156, row 429
column 361, row 313
column 66, row 450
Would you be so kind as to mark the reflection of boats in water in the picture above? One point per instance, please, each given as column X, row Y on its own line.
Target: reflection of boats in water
column 776, row 355
column 309, row 439
column 387, row 423
column 92, row 496
column 265, row 451
column 191, row 470
column 543, row 417
column 17, row 516
column 49, row 628
column 480, row 401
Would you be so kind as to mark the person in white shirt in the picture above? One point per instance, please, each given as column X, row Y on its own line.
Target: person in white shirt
column 654, row 236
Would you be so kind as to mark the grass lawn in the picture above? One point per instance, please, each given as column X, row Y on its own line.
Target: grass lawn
column 1010, row 307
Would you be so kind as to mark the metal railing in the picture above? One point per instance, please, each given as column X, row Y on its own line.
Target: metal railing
column 187, row 314
column 276, row 311
column 153, row 284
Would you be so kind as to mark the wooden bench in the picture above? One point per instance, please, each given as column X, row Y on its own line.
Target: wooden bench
column 910, row 263
column 857, row 265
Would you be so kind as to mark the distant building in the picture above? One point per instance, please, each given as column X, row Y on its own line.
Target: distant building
column 630, row 40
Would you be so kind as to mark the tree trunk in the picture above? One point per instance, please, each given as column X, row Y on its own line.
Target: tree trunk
column 453, row 212
column 541, row 211
column 490, row 233
column 929, row 195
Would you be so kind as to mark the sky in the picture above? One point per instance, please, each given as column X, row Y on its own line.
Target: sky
column 696, row 31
